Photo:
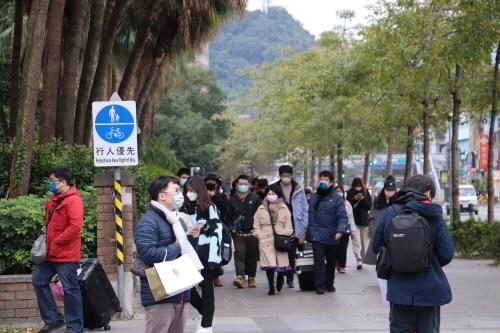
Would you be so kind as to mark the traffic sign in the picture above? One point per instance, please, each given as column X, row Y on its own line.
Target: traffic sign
column 115, row 133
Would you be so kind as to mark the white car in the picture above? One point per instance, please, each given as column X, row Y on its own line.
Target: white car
column 467, row 197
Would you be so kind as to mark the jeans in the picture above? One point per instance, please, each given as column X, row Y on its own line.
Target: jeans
column 324, row 276
column 73, row 309
column 246, row 254
column 205, row 304
column 414, row 319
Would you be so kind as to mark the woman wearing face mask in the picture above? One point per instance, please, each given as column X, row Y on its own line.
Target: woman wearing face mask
column 361, row 202
column 202, row 211
column 273, row 210
column 383, row 200
column 344, row 240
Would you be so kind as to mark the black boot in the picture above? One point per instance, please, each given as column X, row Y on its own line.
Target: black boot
column 279, row 281
column 270, row 280
column 289, row 279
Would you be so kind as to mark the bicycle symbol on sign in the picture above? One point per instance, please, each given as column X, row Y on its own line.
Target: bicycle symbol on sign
column 114, row 133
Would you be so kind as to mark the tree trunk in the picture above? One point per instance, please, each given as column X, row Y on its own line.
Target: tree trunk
column 427, row 143
column 140, row 44
column 21, row 160
column 491, row 143
column 388, row 165
column 73, row 40
column 366, row 168
column 146, row 130
column 4, row 124
column 409, row 153
column 52, row 70
column 107, row 43
column 312, row 172
column 306, row 172
column 15, row 69
column 331, row 159
column 340, row 165
column 162, row 48
column 89, row 67
column 455, row 121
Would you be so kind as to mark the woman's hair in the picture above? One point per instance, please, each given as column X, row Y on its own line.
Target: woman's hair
column 198, row 184
column 276, row 188
column 358, row 182
column 381, row 201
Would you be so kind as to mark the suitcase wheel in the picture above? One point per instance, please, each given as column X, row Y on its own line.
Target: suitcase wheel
column 107, row 327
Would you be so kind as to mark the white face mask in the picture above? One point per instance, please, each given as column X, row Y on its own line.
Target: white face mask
column 286, row 180
column 192, row 196
column 178, row 201
column 358, row 188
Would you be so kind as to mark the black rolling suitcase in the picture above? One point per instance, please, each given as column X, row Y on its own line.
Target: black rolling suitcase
column 100, row 302
column 304, row 266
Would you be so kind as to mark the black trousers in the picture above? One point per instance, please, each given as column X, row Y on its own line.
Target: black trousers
column 291, row 259
column 205, row 304
column 414, row 319
column 342, row 250
column 324, row 275
column 246, row 254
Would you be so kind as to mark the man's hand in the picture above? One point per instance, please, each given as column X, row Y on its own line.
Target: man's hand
column 338, row 235
column 302, row 239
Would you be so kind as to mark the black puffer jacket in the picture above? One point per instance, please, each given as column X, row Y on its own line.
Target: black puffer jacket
column 360, row 209
column 240, row 214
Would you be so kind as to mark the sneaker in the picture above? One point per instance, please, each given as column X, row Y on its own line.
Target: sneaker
column 360, row 266
column 251, row 282
column 204, row 329
column 320, row 291
column 290, row 284
column 331, row 289
column 51, row 327
column 218, row 282
column 341, row 270
column 239, row 282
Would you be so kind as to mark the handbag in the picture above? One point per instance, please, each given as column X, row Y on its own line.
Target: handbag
column 38, row 252
column 169, row 278
column 383, row 266
column 282, row 243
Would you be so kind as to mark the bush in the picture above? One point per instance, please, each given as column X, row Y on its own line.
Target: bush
column 20, row 221
column 476, row 239
column 144, row 175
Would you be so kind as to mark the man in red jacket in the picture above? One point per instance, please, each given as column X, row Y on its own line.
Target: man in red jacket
column 63, row 222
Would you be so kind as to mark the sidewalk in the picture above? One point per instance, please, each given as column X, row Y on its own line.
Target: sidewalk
column 355, row 307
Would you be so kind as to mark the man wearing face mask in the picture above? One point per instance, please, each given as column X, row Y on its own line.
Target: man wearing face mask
column 241, row 210
column 327, row 224
column 158, row 238
column 295, row 199
column 182, row 176
column 63, row 222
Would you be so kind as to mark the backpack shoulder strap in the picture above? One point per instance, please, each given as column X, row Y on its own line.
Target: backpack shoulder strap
column 397, row 207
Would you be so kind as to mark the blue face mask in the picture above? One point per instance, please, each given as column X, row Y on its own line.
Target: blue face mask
column 243, row 188
column 323, row 185
column 182, row 182
column 52, row 187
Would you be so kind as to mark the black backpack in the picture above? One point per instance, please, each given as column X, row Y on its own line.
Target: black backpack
column 410, row 244
column 227, row 245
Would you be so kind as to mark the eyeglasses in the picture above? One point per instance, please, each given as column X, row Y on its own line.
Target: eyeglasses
column 55, row 180
column 170, row 191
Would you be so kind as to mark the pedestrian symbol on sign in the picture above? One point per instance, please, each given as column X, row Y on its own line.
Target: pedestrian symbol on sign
column 114, row 124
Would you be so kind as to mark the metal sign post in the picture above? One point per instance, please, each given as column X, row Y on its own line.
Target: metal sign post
column 115, row 145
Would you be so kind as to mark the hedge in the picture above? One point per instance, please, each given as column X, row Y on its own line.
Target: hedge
column 477, row 239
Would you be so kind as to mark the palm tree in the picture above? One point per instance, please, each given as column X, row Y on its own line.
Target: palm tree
column 32, row 65
column 15, row 66
column 52, row 69
column 72, row 47
column 89, row 66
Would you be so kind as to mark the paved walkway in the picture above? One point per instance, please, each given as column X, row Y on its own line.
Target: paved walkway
column 355, row 307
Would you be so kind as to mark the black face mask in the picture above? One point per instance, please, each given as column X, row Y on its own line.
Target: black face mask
column 211, row 187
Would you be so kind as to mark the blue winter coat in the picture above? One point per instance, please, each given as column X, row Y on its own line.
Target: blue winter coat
column 327, row 216
column 430, row 287
column 153, row 236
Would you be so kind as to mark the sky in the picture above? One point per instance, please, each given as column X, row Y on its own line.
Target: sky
column 318, row 16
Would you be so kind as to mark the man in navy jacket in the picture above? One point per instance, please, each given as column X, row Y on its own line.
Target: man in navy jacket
column 327, row 224
column 416, row 297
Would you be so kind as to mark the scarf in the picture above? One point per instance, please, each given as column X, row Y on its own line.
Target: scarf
column 173, row 218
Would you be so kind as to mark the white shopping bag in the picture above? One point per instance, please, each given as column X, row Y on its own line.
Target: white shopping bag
column 176, row 276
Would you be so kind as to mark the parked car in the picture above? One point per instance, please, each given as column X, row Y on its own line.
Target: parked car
column 467, row 196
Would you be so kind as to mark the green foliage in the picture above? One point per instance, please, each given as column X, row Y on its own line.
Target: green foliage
column 476, row 239
column 158, row 153
column 20, row 221
column 188, row 121
column 258, row 38
column 144, row 175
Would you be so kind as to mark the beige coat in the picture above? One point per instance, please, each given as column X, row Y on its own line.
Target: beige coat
column 262, row 229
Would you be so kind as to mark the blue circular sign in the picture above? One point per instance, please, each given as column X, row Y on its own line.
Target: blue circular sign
column 114, row 124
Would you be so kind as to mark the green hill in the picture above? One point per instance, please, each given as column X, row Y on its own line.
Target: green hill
column 257, row 38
